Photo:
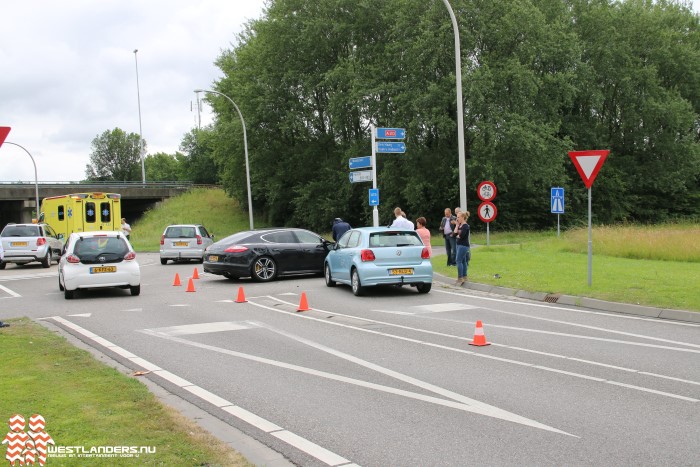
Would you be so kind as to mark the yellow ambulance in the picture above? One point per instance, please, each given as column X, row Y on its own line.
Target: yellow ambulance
column 82, row 212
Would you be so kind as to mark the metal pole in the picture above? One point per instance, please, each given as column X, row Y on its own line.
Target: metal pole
column 590, row 242
column 375, row 210
column 245, row 147
column 138, row 95
column 460, row 112
column 36, row 178
column 557, row 225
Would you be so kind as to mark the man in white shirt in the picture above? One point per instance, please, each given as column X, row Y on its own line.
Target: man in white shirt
column 401, row 222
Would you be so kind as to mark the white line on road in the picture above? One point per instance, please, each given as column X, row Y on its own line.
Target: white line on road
column 10, row 292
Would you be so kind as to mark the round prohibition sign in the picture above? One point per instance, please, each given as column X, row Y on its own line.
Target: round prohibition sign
column 487, row 211
column 486, row 191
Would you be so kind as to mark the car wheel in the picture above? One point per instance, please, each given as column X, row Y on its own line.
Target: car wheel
column 60, row 285
column 46, row 262
column 264, row 269
column 357, row 288
column 163, row 261
column 424, row 288
column 135, row 290
column 327, row 274
column 69, row 294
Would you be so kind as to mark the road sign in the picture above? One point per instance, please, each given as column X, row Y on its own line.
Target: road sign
column 4, row 131
column 391, row 133
column 361, row 176
column 557, row 201
column 374, row 196
column 487, row 211
column 387, row 147
column 486, row 191
column 588, row 164
column 360, row 162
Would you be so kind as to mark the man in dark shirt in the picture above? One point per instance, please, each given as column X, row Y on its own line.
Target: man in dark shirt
column 339, row 228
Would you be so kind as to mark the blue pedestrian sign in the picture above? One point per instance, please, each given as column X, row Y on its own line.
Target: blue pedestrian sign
column 387, row 147
column 557, row 201
column 360, row 162
column 391, row 133
column 374, row 196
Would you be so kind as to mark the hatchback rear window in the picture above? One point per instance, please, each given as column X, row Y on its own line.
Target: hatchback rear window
column 92, row 246
column 394, row 239
column 180, row 232
column 21, row 231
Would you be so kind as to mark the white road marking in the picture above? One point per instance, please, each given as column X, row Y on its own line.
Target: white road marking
column 83, row 315
column 322, row 454
column 443, row 307
column 179, row 304
column 405, row 313
column 22, row 277
column 10, row 292
column 201, row 328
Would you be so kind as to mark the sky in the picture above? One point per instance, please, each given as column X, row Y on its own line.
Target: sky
column 68, row 74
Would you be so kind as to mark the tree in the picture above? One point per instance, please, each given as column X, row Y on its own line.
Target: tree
column 197, row 163
column 162, row 167
column 115, row 156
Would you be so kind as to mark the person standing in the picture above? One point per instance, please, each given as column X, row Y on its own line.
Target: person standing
column 424, row 234
column 447, row 227
column 463, row 247
column 126, row 229
column 339, row 228
column 401, row 222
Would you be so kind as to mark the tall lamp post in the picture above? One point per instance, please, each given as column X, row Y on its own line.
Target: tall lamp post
column 460, row 112
column 245, row 147
column 36, row 178
column 138, row 95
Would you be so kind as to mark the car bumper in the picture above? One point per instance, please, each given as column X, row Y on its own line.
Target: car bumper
column 181, row 254
column 371, row 275
column 239, row 270
column 79, row 276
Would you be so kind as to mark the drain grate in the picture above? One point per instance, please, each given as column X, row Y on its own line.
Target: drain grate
column 552, row 298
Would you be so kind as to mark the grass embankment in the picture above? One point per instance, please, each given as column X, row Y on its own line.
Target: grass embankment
column 86, row 403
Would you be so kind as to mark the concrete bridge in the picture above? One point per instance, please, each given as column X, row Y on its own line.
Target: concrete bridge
column 18, row 199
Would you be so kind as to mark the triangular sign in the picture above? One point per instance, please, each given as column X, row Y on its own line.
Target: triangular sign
column 4, row 131
column 588, row 164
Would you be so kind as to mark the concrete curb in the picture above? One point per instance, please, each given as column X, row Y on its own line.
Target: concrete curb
column 584, row 302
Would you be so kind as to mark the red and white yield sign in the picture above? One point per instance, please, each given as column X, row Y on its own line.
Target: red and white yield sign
column 486, row 191
column 588, row 164
column 4, row 131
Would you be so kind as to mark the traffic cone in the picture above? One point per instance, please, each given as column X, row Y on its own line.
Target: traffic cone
column 195, row 274
column 190, row 286
column 479, row 337
column 241, row 296
column 303, row 304
column 176, row 282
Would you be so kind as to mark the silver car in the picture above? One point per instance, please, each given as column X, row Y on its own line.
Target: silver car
column 184, row 242
column 26, row 243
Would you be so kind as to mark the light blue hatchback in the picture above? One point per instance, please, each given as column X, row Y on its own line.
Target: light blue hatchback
column 369, row 256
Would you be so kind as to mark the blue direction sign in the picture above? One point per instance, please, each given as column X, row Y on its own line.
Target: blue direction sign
column 374, row 196
column 361, row 176
column 360, row 162
column 557, row 201
column 391, row 133
column 391, row 147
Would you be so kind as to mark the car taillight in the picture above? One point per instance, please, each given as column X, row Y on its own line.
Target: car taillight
column 72, row 259
column 129, row 256
column 236, row 249
column 40, row 241
column 162, row 239
column 199, row 239
column 425, row 254
column 367, row 255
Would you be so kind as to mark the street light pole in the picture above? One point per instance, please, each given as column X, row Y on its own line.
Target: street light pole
column 36, row 178
column 138, row 95
column 245, row 148
column 460, row 112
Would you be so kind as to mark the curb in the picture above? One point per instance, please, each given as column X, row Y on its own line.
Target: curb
column 583, row 302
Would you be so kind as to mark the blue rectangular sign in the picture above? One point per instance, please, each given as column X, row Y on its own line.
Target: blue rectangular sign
column 391, row 133
column 360, row 162
column 374, row 196
column 391, row 147
column 557, row 201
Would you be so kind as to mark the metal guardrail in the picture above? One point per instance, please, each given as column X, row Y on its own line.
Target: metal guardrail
column 111, row 185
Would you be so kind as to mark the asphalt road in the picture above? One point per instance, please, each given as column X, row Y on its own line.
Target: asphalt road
column 390, row 379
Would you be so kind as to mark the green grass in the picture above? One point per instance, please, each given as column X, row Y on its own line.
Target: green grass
column 85, row 403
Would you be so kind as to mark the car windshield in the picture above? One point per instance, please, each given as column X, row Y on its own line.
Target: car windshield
column 91, row 247
column 21, row 231
column 180, row 232
column 394, row 239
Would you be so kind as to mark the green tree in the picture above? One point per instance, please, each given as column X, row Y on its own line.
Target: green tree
column 197, row 163
column 161, row 167
column 115, row 156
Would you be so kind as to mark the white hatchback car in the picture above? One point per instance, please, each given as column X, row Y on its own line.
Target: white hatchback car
column 98, row 259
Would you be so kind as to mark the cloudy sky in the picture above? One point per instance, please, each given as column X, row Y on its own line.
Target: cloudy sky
column 68, row 73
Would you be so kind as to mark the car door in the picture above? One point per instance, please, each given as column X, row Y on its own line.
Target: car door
column 206, row 238
column 54, row 240
column 342, row 257
column 284, row 249
column 313, row 250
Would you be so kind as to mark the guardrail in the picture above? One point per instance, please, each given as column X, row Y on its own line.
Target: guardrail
column 110, row 185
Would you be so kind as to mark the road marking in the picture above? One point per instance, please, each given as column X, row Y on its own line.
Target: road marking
column 202, row 328
column 405, row 313
column 443, row 307
column 27, row 276
column 82, row 315
column 179, row 304
column 10, row 292
column 289, row 437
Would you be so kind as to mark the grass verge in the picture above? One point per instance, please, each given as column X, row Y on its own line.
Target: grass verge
column 86, row 403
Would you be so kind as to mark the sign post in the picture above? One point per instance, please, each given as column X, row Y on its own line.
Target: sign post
column 557, row 203
column 487, row 210
column 588, row 164
column 382, row 147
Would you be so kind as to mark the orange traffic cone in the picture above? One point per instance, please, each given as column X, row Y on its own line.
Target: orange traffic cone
column 190, row 286
column 479, row 337
column 195, row 274
column 303, row 304
column 176, row 282
column 241, row 296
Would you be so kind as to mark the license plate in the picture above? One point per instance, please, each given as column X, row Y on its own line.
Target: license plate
column 213, row 259
column 401, row 272
column 19, row 243
column 101, row 269
column 181, row 243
